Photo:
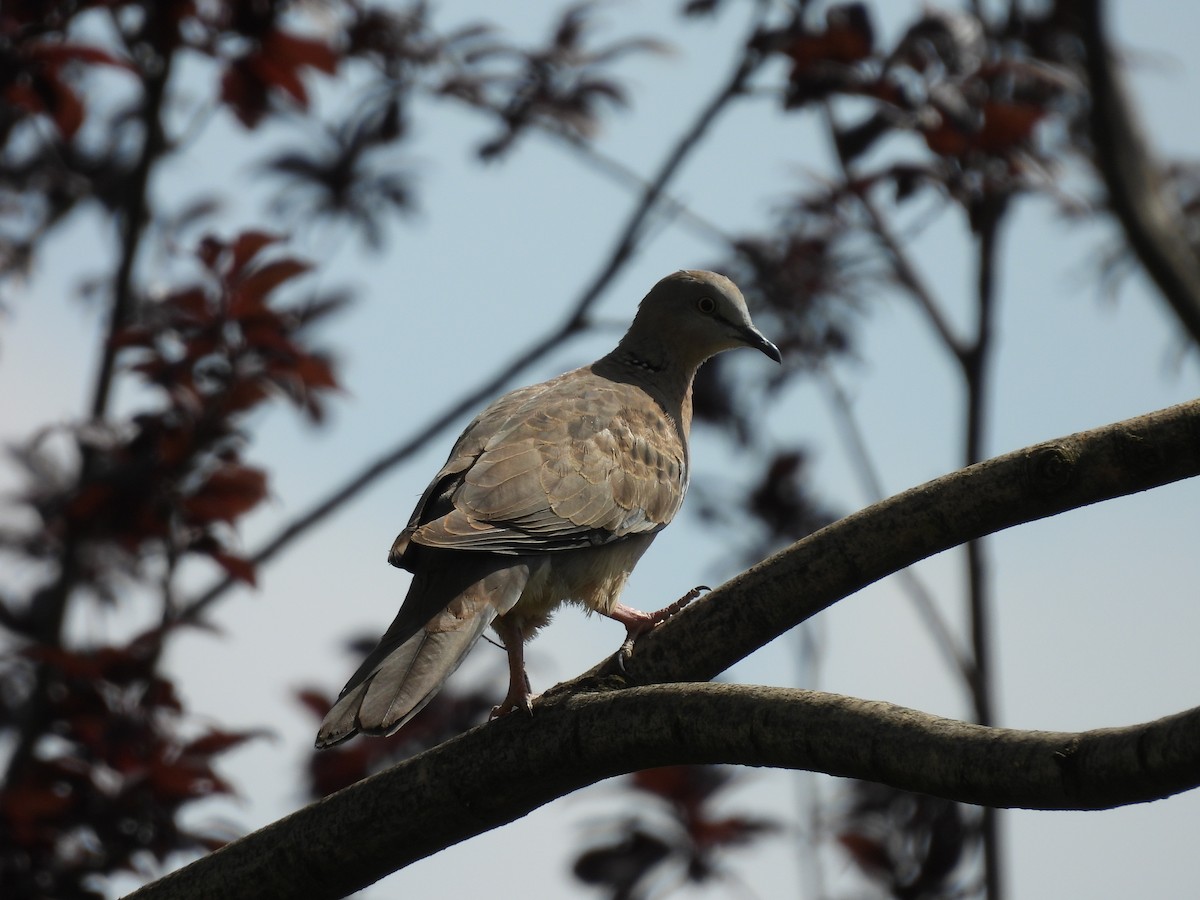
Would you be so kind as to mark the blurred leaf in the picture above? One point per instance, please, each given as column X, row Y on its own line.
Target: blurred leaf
column 227, row 493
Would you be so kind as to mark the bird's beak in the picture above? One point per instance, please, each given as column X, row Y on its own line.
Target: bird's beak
column 754, row 338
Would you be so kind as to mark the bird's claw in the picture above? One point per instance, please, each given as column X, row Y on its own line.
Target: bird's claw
column 624, row 652
column 638, row 623
column 518, row 697
column 525, row 704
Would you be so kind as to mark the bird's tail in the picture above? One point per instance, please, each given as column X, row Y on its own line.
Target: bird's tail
column 444, row 614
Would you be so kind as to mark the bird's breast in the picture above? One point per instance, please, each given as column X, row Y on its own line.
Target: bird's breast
column 593, row 577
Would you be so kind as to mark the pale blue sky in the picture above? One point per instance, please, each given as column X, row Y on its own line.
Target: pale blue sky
column 1094, row 610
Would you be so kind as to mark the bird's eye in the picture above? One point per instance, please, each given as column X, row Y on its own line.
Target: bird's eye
column 706, row 305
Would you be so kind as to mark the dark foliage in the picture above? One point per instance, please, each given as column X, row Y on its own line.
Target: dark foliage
column 685, row 835
column 912, row 845
column 102, row 767
column 104, row 755
column 562, row 86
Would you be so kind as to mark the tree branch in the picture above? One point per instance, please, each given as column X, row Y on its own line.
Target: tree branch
column 50, row 604
column 906, row 273
column 587, row 730
column 799, row 581
column 976, row 373
column 1151, row 219
column 858, row 454
column 503, row 770
column 134, row 212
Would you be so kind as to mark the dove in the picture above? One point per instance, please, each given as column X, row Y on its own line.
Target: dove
column 550, row 495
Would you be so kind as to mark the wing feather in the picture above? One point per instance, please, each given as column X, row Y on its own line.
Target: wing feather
column 577, row 461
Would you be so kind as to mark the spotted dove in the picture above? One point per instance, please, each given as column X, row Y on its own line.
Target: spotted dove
column 551, row 494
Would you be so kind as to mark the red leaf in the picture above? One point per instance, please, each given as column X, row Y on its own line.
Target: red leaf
column 245, row 92
column 227, row 494
column 300, row 51
column 23, row 806
column 184, row 779
column 730, row 831
column 668, row 782
column 244, row 394
column 276, row 64
column 1006, row 125
column 190, row 304
column 332, row 770
column 219, row 741
column 237, row 567
column 315, row 372
column 246, row 246
column 316, row 701
column 278, row 73
column 688, row 785
column 68, row 112
column 256, row 285
column 44, row 91
column 132, row 336
column 152, row 368
column 55, row 55
column 22, row 96
column 848, row 38
column 869, row 854
column 160, row 692
column 947, row 140
column 267, row 333
column 93, row 500
column 54, row 99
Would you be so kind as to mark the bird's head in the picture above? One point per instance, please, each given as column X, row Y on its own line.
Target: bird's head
column 696, row 315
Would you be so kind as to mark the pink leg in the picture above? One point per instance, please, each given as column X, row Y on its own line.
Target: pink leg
column 638, row 623
column 519, row 695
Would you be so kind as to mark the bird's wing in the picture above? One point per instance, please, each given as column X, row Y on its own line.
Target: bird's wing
column 575, row 462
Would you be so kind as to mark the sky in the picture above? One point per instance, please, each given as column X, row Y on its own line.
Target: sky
column 1090, row 606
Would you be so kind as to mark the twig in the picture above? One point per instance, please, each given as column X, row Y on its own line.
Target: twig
column 52, row 602
column 972, row 359
column 918, row 593
column 624, row 175
column 1151, row 219
column 134, row 216
column 906, row 273
column 976, row 373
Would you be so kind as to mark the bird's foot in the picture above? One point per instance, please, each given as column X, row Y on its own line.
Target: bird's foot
column 517, row 698
column 520, row 695
column 638, row 623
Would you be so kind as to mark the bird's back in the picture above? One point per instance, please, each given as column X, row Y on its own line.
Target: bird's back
column 577, row 461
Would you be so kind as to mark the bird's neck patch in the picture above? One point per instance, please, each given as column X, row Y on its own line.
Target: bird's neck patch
column 629, row 358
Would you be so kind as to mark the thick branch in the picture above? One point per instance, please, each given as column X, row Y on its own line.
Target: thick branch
column 1151, row 219
column 503, row 770
column 499, row 772
column 796, row 583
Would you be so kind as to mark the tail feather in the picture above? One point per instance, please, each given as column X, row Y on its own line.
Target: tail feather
column 410, row 665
